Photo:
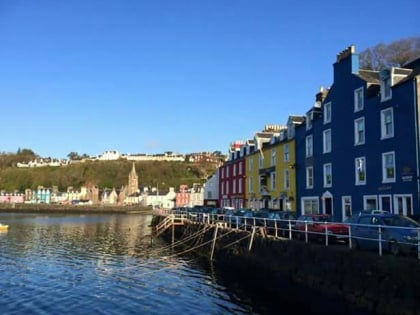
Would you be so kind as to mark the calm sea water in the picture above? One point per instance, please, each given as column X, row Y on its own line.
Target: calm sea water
column 102, row 264
column 107, row 264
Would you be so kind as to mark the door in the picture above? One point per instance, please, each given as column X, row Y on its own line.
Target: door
column 328, row 206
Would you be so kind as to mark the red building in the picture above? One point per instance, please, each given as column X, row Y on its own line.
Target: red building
column 232, row 178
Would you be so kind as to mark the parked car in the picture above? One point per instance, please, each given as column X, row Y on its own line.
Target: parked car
column 398, row 233
column 239, row 217
column 318, row 225
column 284, row 221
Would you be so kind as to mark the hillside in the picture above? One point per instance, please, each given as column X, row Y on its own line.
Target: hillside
column 105, row 174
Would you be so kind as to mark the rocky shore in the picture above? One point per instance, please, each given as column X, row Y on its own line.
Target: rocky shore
column 6, row 207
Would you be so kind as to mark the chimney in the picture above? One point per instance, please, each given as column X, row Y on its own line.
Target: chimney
column 320, row 96
column 346, row 53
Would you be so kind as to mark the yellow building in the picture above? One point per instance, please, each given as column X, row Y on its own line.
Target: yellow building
column 270, row 168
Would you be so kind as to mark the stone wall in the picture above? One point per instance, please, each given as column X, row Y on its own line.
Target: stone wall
column 365, row 280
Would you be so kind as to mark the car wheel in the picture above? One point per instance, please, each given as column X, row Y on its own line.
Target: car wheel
column 354, row 244
column 394, row 248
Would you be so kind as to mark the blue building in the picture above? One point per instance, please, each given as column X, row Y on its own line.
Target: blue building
column 359, row 146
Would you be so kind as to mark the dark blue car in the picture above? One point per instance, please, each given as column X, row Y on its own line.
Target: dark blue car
column 396, row 233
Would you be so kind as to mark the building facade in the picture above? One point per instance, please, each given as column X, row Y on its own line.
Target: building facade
column 358, row 148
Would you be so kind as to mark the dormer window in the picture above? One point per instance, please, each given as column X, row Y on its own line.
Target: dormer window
column 358, row 99
column 386, row 84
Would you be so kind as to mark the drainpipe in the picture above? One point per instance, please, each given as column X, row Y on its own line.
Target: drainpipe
column 416, row 122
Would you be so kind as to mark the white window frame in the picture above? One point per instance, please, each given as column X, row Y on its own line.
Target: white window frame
column 326, row 137
column 386, row 91
column 273, row 180
column 385, row 133
column 386, row 167
column 286, row 153
column 357, row 136
column 359, row 99
column 312, row 202
column 273, row 157
column 260, row 159
column 327, row 175
column 360, row 171
column 346, row 202
column 309, row 146
column 327, row 113
column 309, row 120
column 370, row 197
column 286, row 179
column 309, row 177
column 250, row 185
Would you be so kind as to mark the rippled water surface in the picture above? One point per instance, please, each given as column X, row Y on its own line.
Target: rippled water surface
column 101, row 264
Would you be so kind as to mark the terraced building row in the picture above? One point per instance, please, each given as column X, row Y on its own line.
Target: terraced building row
column 356, row 148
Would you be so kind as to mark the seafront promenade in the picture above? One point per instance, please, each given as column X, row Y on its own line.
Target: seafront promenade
column 8, row 207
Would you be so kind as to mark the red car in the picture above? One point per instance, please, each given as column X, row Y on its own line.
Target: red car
column 318, row 225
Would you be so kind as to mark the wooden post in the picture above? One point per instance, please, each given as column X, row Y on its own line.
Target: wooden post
column 214, row 242
column 251, row 240
column 173, row 232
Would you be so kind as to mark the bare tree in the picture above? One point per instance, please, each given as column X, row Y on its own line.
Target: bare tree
column 395, row 54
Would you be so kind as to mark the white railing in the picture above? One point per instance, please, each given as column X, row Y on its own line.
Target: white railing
column 286, row 229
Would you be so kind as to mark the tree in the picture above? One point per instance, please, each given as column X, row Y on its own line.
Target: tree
column 396, row 54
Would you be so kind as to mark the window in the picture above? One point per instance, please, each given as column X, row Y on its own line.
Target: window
column 260, row 159
column 309, row 120
column 250, row 184
column 346, row 207
column 327, row 175
column 358, row 99
column 240, row 168
column 386, row 93
column 286, row 155
column 309, row 177
column 273, row 180
column 359, row 131
column 360, row 170
column 240, row 184
column 234, row 187
column 286, row 179
column 273, row 157
column 309, row 146
column 310, row 205
column 251, row 164
column 370, row 203
column 327, row 113
column 387, row 123
column 388, row 167
column 234, row 169
column 327, row 141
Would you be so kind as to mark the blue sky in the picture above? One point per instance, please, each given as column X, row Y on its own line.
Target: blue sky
column 172, row 75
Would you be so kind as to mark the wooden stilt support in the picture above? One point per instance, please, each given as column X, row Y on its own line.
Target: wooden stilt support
column 251, row 240
column 214, row 242
column 173, row 233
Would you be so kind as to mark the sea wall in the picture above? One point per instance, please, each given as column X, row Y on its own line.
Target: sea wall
column 372, row 283
column 98, row 208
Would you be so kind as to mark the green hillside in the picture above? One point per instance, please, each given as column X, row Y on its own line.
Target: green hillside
column 104, row 174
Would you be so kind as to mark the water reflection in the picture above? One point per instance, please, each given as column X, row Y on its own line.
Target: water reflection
column 100, row 264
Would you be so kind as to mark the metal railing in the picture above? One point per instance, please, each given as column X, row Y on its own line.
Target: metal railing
column 360, row 236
